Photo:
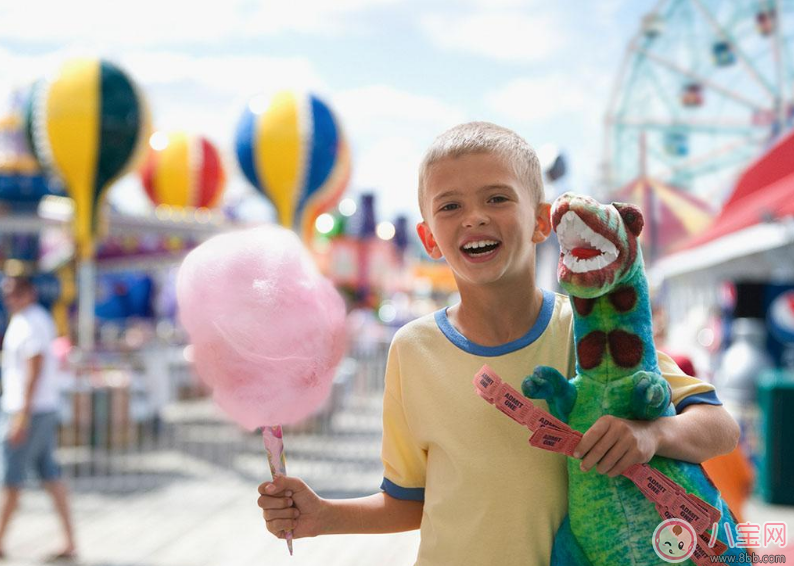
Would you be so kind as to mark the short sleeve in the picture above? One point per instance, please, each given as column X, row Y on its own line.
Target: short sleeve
column 404, row 459
column 687, row 390
column 31, row 343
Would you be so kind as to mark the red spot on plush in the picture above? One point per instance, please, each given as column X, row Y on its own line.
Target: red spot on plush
column 623, row 299
column 590, row 349
column 583, row 306
column 625, row 348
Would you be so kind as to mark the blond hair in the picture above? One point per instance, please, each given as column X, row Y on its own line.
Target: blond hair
column 484, row 137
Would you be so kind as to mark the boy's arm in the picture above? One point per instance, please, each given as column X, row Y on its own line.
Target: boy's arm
column 700, row 432
column 289, row 504
column 378, row 513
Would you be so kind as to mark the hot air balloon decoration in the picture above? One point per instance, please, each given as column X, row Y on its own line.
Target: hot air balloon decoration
column 183, row 170
column 87, row 126
column 292, row 149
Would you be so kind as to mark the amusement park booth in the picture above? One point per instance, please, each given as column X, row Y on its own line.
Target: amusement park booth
column 730, row 293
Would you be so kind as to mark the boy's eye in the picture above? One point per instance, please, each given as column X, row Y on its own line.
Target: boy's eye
column 450, row 206
column 498, row 198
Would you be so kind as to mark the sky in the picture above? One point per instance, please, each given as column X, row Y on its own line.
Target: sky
column 397, row 73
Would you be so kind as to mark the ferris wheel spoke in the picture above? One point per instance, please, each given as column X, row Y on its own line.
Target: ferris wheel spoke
column 702, row 126
column 723, row 157
column 777, row 51
column 786, row 43
column 700, row 79
column 662, row 92
column 725, row 163
column 660, row 156
column 719, row 152
column 726, row 36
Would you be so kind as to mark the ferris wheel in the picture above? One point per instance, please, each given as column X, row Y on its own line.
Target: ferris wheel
column 705, row 87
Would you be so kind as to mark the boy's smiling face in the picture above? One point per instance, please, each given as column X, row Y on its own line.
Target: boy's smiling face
column 481, row 218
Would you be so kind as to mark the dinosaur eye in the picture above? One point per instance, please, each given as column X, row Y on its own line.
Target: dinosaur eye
column 630, row 217
column 681, row 545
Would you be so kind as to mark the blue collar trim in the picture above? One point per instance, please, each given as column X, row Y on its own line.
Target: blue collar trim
column 544, row 316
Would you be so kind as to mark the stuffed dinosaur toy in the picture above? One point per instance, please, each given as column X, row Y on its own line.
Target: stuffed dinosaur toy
column 617, row 374
column 612, row 521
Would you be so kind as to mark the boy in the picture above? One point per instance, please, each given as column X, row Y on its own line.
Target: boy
column 455, row 466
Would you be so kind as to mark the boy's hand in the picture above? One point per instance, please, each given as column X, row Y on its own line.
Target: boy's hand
column 19, row 429
column 288, row 504
column 613, row 445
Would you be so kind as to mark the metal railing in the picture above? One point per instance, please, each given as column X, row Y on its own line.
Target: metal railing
column 141, row 421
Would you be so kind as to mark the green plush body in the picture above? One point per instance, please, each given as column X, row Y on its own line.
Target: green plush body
column 610, row 521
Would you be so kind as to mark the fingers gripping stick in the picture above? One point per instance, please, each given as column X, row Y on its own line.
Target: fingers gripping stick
column 274, row 445
column 549, row 433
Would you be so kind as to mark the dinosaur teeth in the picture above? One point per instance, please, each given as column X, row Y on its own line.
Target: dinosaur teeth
column 574, row 233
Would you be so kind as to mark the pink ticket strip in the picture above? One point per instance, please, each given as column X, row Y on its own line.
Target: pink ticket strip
column 550, row 433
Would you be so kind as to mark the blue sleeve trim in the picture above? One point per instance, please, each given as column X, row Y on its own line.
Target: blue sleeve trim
column 398, row 492
column 707, row 398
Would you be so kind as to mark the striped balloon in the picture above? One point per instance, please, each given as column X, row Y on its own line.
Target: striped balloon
column 187, row 172
column 88, row 124
column 292, row 149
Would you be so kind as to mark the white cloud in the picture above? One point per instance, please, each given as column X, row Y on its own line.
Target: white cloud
column 198, row 94
column 499, row 3
column 175, row 22
column 20, row 70
column 390, row 129
column 226, row 74
column 507, row 35
column 148, row 21
column 542, row 98
column 368, row 109
column 389, row 167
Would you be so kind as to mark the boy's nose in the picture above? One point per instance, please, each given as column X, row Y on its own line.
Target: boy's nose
column 475, row 218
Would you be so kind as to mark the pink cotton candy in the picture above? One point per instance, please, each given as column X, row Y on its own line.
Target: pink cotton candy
column 267, row 329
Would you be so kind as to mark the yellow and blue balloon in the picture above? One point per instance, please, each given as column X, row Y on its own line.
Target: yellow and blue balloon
column 292, row 149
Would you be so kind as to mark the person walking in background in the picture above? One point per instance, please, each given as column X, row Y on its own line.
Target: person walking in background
column 30, row 403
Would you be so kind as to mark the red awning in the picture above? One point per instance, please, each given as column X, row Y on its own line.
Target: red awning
column 764, row 193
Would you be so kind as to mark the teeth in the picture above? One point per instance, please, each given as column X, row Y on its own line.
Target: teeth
column 479, row 244
column 573, row 232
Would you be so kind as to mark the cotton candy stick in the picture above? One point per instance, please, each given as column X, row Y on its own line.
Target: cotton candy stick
column 274, row 444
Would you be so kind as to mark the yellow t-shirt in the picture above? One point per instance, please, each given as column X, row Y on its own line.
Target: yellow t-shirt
column 489, row 497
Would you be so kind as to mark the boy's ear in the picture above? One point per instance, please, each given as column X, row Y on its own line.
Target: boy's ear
column 542, row 223
column 428, row 241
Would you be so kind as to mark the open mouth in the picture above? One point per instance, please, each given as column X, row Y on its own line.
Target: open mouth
column 583, row 249
column 480, row 248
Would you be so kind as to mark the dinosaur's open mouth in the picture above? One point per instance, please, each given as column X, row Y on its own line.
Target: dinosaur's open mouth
column 583, row 249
